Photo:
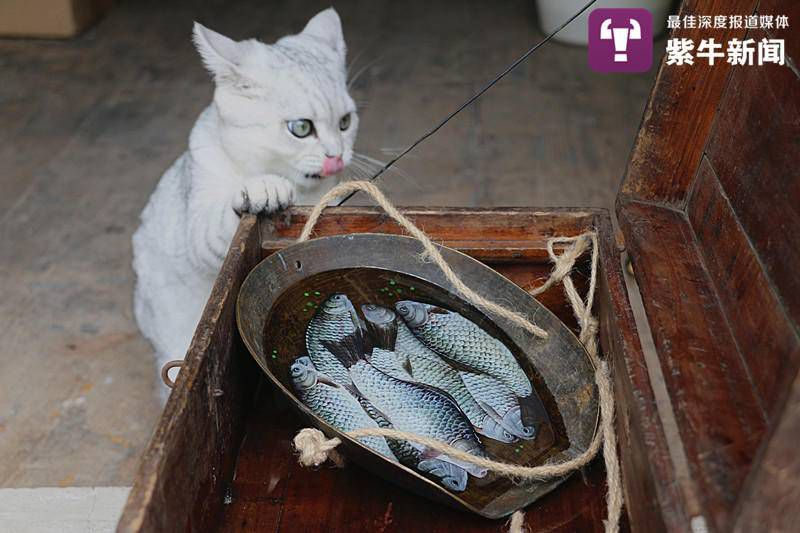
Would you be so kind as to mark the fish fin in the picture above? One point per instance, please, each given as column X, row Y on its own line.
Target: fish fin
column 349, row 350
column 490, row 411
column 324, row 379
column 456, row 365
column 407, row 367
column 374, row 413
column 439, row 310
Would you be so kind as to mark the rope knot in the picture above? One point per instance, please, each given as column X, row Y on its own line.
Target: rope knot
column 314, row 447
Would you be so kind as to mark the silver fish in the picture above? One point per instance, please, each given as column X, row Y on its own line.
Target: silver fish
column 499, row 401
column 413, row 360
column 412, row 407
column 458, row 339
column 335, row 318
column 334, row 404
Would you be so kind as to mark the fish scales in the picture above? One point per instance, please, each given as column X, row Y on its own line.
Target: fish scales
column 333, row 320
column 334, row 404
column 427, row 367
column 454, row 337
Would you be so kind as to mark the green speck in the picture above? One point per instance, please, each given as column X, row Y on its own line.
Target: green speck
column 310, row 304
column 306, row 294
column 392, row 282
column 412, row 289
column 316, row 293
column 274, row 351
column 399, row 291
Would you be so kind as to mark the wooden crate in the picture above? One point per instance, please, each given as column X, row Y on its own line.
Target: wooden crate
column 225, row 437
column 708, row 414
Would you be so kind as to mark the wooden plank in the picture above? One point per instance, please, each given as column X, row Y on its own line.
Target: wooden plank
column 755, row 152
column 271, row 492
column 715, row 404
column 489, row 235
column 183, row 473
column 753, row 309
column 679, row 115
column 652, row 494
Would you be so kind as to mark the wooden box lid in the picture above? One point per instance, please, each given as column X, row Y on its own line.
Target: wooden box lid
column 710, row 211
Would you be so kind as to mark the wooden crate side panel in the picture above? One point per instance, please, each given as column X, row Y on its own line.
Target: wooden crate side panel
column 503, row 234
column 652, row 496
column 755, row 153
column 769, row 500
column 190, row 459
column 766, row 338
column 715, row 404
column 679, row 114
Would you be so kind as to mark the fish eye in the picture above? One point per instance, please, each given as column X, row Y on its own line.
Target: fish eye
column 344, row 122
column 300, row 128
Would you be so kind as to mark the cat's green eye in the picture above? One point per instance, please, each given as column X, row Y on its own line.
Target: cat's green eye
column 344, row 123
column 301, row 128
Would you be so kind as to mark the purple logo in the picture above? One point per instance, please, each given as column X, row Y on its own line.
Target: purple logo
column 620, row 40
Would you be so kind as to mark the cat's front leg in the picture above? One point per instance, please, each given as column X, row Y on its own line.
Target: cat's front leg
column 264, row 194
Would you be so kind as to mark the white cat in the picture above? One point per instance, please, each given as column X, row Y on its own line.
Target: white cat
column 279, row 129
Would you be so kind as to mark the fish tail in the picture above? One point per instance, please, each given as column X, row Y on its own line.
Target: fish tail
column 383, row 335
column 532, row 410
column 349, row 350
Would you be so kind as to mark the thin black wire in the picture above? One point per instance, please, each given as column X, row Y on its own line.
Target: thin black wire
column 474, row 97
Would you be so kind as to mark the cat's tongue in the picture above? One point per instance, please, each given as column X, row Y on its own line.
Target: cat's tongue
column 332, row 165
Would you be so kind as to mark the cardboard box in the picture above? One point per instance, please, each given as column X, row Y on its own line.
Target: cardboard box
column 49, row 18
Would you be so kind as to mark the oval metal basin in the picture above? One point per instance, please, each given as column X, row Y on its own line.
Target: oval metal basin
column 283, row 292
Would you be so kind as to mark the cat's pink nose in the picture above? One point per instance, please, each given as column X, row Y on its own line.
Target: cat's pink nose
column 332, row 165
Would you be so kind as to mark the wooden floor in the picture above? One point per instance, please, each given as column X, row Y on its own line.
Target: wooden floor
column 89, row 125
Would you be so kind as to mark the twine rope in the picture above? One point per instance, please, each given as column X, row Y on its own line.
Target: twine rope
column 314, row 448
column 430, row 249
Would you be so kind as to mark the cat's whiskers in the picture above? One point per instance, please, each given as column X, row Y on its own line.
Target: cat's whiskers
column 372, row 165
column 361, row 71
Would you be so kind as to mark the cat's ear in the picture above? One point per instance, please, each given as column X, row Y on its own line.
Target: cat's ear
column 220, row 54
column 327, row 26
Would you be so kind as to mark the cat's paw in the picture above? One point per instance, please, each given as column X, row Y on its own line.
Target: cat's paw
column 264, row 194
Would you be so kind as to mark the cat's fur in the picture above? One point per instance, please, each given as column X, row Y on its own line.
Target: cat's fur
column 241, row 158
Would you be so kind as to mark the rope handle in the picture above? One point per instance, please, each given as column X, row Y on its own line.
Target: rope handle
column 169, row 365
column 431, row 250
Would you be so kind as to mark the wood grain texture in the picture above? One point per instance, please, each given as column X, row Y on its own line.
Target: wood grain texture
column 755, row 152
column 765, row 336
column 680, row 114
column 184, row 471
column 271, row 492
column 769, row 500
column 716, row 407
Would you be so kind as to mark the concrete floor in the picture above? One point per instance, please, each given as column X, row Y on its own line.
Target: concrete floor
column 89, row 125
